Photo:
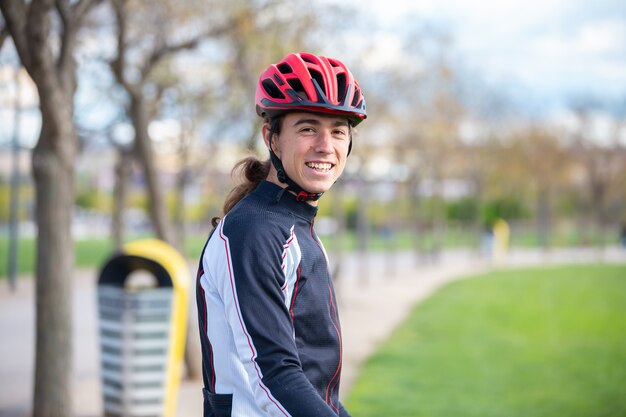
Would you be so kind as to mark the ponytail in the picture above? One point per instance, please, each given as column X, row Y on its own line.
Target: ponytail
column 249, row 172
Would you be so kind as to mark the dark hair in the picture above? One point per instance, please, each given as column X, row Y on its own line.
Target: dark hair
column 248, row 173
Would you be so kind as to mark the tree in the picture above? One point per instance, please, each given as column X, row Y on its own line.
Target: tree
column 258, row 36
column 123, row 173
column 547, row 163
column 149, row 39
column 220, row 106
column 153, row 41
column 44, row 33
column 602, row 159
column 431, row 113
column 133, row 67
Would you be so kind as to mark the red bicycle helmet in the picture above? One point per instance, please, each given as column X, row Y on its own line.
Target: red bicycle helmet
column 303, row 81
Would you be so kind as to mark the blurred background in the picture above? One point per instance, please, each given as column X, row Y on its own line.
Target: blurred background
column 479, row 113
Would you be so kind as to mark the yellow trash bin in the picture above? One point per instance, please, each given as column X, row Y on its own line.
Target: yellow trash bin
column 142, row 306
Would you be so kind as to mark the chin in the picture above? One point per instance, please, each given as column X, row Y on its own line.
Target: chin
column 319, row 185
column 320, row 188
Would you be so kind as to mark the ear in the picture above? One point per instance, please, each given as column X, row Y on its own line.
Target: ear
column 265, row 130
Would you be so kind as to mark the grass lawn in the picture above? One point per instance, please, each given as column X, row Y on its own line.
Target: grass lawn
column 91, row 253
column 88, row 254
column 533, row 342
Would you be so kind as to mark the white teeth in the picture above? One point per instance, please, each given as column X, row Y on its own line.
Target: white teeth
column 319, row 166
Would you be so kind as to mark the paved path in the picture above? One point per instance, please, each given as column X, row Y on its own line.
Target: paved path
column 375, row 294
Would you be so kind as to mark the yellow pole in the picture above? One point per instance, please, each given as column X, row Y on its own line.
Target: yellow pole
column 501, row 235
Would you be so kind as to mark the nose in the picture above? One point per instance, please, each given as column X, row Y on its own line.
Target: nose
column 324, row 143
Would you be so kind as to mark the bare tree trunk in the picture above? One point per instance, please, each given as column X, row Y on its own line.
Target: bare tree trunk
column 362, row 231
column 598, row 192
column 54, row 159
column 182, row 180
column 54, row 181
column 15, row 187
column 339, row 214
column 389, row 236
column 193, row 353
column 123, row 171
column 438, row 219
column 179, row 208
column 52, row 67
column 543, row 219
column 476, row 225
column 414, row 199
column 145, row 154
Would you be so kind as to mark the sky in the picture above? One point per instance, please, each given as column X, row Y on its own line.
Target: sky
column 552, row 50
column 547, row 52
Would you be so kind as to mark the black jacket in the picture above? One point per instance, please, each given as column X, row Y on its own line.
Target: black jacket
column 269, row 327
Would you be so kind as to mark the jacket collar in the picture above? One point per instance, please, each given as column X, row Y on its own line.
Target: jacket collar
column 279, row 195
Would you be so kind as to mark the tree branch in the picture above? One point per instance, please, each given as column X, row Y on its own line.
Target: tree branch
column 68, row 40
column 81, row 8
column 65, row 13
column 119, row 62
column 71, row 17
column 4, row 33
column 160, row 53
column 37, row 32
column 14, row 13
column 166, row 50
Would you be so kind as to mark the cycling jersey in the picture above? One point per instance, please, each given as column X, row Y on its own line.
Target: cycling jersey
column 269, row 327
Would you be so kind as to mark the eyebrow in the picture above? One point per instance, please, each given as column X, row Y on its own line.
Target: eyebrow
column 338, row 122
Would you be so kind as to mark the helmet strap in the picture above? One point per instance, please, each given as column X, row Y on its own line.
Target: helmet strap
column 301, row 194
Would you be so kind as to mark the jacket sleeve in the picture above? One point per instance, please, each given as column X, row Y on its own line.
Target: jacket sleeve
column 250, row 284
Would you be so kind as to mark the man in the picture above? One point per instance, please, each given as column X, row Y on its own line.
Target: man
column 269, row 325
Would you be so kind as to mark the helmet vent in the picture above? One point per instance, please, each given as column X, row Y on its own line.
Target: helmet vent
column 297, row 87
column 341, row 87
column 355, row 100
column 317, row 76
column 309, row 83
column 285, row 68
column 271, row 89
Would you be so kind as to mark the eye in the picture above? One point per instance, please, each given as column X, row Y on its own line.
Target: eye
column 340, row 132
column 307, row 129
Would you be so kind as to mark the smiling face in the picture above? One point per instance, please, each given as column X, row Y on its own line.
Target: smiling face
column 313, row 149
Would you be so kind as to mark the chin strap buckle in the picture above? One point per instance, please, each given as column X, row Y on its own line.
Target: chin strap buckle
column 304, row 196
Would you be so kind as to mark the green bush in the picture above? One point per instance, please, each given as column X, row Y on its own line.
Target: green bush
column 464, row 210
column 503, row 208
